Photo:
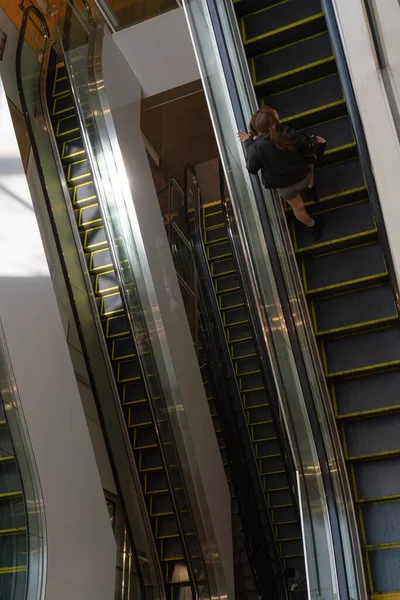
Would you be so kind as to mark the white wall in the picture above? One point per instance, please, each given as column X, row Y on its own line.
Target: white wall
column 387, row 14
column 159, row 52
column 376, row 116
column 81, row 547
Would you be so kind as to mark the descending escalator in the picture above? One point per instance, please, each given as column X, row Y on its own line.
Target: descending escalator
column 255, row 397
column 164, row 492
column 345, row 275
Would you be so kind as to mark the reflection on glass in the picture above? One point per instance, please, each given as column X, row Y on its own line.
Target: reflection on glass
column 124, row 13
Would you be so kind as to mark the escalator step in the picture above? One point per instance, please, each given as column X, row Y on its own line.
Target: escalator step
column 144, row 437
column 236, row 316
column 280, row 24
column 272, row 464
column 252, row 382
column 10, row 481
column 12, row 513
column 355, row 309
column 265, row 431
column 255, row 398
column 338, row 133
column 72, row 149
column 216, row 234
column 150, row 460
column 372, row 392
column 377, row 435
column 385, row 571
column 90, row 215
column 375, row 478
column 167, row 526
column 117, row 326
column 289, row 531
column 61, row 85
column 343, row 225
column 363, row 351
column 139, row 415
column 262, row 414
column 382, row 523
column 214, row 219
column 156, row 482
column 248, row 365
column 243, row 349
column 161, row 505
column 111, row 304
column 129, row 370
column 278, row 481
column 284, row 515
column 226, row 284
column 106, row 282
column 270, row 448
column 239, row 333
column 306, row 104
column 176, row 574
column 218, row 251
column 344, row 180
column 294, row 64
column 231, row 300
column 172, row 549
column 63, row 104
column 94, row 238
column 292, row 548
column 84, row 192
column 100, row 259
column 68, row 126
column 223, row 267
column 78, row 170
column 345, row 268
column 280, row 498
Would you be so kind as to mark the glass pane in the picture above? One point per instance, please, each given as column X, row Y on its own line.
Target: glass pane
column 129, row 12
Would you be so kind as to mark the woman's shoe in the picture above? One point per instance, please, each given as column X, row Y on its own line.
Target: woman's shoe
column 316, row 229
column 311, row 194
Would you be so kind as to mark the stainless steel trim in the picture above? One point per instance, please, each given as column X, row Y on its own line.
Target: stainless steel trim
column 33, row 496
column 115, row 395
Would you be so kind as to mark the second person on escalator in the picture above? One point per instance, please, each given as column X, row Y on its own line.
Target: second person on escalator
column 284, row 158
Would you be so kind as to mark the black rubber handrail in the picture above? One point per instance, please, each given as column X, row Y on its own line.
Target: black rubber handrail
column 231, row 81
column 246, row 477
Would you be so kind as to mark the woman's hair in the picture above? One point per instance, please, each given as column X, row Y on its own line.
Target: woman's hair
column 265, row 121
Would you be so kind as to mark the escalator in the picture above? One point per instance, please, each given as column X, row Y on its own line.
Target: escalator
column 345, row 274
column 13, row 519
column 264, row 430
column 163, row 490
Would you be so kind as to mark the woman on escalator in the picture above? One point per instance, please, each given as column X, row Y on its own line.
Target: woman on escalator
column 285, row 159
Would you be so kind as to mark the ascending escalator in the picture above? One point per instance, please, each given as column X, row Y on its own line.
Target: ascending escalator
column 164, row 493
column 345, row 274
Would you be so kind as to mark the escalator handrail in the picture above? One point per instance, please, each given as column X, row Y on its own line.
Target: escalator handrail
column 255, row 327
column 40, row 16
column 128, row 312
column 230, row 78
column 199, row 252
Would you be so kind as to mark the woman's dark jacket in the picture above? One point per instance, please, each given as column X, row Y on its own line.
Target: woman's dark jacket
column 279, row 168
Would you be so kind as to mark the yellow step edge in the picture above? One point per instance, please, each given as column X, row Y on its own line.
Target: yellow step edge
column 346, row 284
column 12, row 531
column 10, row 495
column 374, row 456
column 314, row 110
column 279, row 29
column 386, row 596
column 352, row 328
column 322, row 245
column 385, row 546
column 369, row 413
column 306, row 67
column 378, row 500
column 9, row 570
column 6, row 458
column 371, row 368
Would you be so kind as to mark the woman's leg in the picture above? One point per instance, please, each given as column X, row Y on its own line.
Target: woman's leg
column 300, row 211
